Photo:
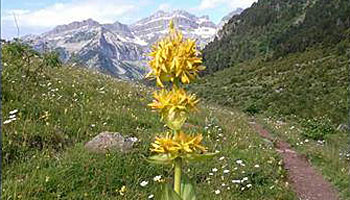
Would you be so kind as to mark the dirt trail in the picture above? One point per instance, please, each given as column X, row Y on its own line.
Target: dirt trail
column 306, row 182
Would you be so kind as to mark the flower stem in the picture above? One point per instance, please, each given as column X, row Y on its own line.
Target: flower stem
column 177, row 181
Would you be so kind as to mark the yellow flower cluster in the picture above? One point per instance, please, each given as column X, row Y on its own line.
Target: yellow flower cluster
column 175, row 59
column 181, row 143
column 174, row 105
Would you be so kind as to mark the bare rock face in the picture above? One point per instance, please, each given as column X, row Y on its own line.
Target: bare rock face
column 117, row 49
column 110, row 142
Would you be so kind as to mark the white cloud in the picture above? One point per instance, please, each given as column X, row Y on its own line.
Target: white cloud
column 210, row 4
column 105, row 11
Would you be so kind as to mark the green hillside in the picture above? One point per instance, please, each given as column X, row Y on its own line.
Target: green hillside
column 287, row 63
column 302, row 97
column 272, row 29
column 58, row 108
column 306, row 85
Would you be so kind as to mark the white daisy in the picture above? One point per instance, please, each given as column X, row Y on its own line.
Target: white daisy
column 157, row 178
column 144, row 183
column 13, row 112
column 236, row 181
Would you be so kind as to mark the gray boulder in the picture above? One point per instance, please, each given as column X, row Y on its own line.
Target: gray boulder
column 110, row 142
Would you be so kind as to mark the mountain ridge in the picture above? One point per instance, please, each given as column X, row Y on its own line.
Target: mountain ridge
column 119, row 49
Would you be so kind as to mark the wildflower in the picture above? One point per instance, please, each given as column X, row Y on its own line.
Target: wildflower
column 236, row 181
column 239, row 162
column 122, row 190
column 150, row 196
column 180, row 143
column 223, row 185
column 249, row 185
column 175, row 59
column 174, row 106
column 244, row 179
column 217, row 191
column 222, row 158
column 226, row 171
column 47, row 179
column 7, row 121
column 144, row 183
column 13, row 112
column 157, row 178
column 214, row 170
column 211, row 174
column 12, row 116
column 256, row 166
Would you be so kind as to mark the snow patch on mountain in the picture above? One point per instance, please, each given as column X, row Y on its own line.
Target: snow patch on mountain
column 119, row 49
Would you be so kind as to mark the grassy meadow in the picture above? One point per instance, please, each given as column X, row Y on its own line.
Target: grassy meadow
column 300, row 98
column 49, row 114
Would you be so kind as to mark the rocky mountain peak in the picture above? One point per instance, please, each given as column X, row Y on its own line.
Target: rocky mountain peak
column 75, row 25
column 155, row 26
column 119, row 49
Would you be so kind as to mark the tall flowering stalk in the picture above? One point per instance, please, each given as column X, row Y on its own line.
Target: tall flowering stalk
column 175, row 62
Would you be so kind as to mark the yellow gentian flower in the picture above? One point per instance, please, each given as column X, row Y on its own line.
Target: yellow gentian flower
column 174, row 106
column 179, row 144
column 175, row 59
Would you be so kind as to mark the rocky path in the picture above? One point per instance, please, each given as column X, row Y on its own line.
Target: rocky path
column 307, row 183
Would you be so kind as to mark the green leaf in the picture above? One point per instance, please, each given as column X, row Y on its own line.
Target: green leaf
column 187, row 189
column 163, row 159
column 167, row 193
column 198, row 157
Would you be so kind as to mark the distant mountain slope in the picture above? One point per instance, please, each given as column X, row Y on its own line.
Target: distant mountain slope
column 274, row 28
column 119, row 49
column 225, row 19
column 155, row 26
column 101, row 47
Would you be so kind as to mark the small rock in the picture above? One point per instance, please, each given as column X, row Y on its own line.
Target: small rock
column 108, row 141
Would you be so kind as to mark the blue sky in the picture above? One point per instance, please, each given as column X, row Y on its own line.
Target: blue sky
column 37, row 16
